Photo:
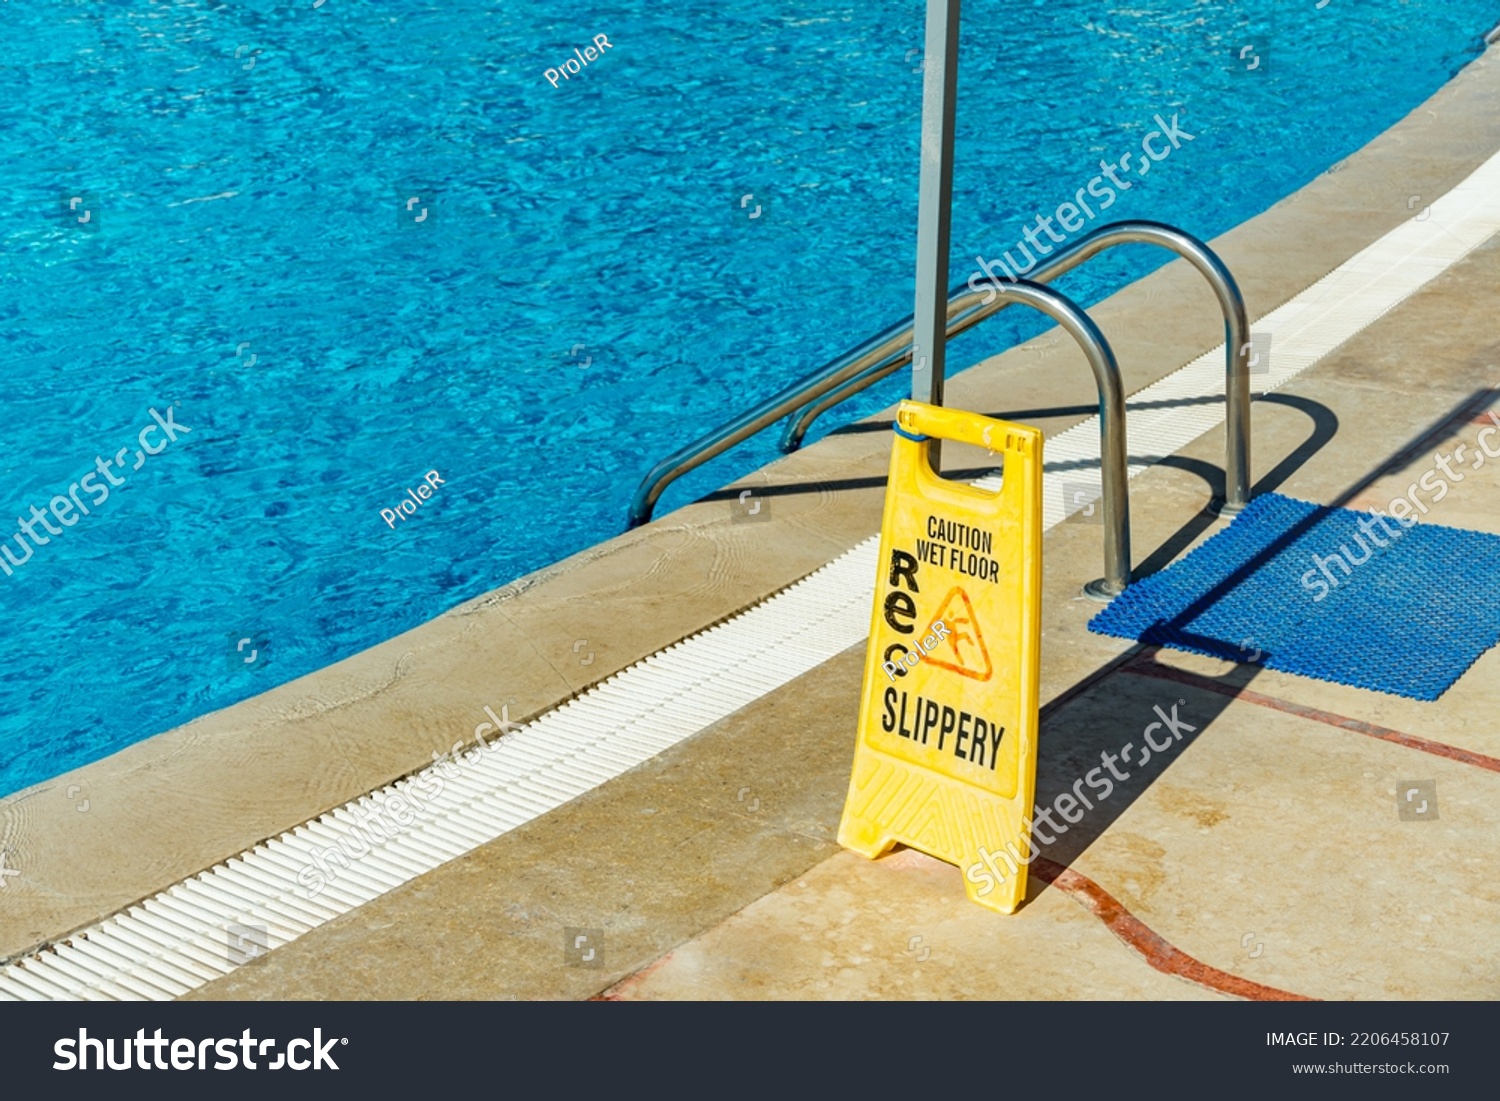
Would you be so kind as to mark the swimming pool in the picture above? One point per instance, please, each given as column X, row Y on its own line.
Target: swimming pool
column 214, row 220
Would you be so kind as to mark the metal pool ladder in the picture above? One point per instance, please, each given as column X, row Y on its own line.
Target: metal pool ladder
column 891, row 350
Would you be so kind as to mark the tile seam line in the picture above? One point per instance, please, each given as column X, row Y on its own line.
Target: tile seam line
column 1355, row 300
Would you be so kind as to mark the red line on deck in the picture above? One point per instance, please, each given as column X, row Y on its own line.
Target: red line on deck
column 1147, row 666
column 1135, row 934
column 1155, row 950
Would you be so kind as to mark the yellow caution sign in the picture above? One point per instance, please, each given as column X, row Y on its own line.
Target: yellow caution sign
column 946, row 756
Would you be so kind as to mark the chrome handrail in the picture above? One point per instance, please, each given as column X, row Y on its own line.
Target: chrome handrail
column 1236, row 343
column 1112, row 449
column 798, row 426
column 891, row 349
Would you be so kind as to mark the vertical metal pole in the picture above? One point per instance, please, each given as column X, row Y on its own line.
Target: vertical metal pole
column 1237, row 411
column 934, row 205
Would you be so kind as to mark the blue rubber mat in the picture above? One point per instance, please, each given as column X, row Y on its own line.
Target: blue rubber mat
column 1310, row 590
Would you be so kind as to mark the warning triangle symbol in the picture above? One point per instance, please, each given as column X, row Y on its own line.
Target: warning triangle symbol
column 963, row 649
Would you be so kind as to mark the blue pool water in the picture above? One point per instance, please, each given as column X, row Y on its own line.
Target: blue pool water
column 586, row 293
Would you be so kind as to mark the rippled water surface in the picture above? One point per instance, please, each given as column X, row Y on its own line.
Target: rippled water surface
column 587, row 290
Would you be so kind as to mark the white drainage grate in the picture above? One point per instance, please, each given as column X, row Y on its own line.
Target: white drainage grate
column 229, row 915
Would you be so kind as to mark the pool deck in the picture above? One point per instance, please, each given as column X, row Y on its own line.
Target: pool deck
column 1241, row 868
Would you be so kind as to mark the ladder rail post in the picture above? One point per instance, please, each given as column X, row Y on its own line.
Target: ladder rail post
column 1113, row 451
